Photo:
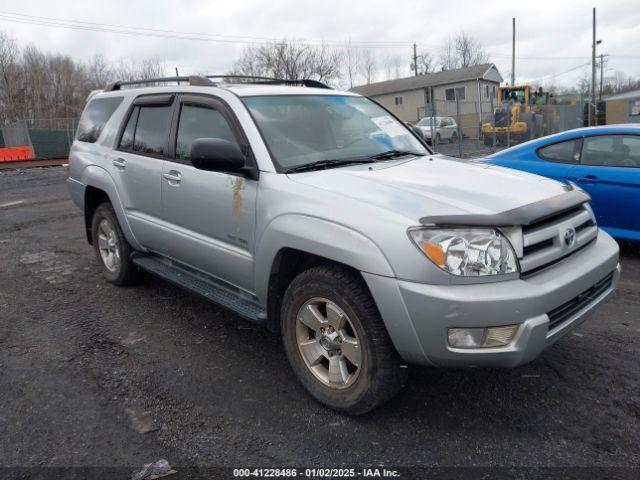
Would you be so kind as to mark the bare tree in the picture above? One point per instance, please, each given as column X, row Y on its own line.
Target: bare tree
column 9, row 76
column 351, row 61
column 469, row 51
column 425, row 63
column 289, row 61
column 129, row 69
column 447, row 58
column 462, row 51
column 368, row 66
column 99, row 73
column 393, row 66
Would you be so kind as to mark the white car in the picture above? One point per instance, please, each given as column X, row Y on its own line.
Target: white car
column 444, row 128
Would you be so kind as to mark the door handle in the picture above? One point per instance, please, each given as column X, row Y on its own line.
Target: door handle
column 588, row 179
column 119, row 163
column 173, row 177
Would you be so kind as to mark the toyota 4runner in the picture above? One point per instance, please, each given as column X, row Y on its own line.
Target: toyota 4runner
column 322, row 216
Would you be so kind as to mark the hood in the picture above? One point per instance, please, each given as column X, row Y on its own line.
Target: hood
column 433, row 185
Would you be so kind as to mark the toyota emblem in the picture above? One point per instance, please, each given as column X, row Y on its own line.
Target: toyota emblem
column 570, row 237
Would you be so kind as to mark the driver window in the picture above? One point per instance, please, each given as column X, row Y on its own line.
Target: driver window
column 200, row 122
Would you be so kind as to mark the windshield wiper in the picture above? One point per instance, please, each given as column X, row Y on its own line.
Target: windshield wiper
column 395, row 153
column 327, row 164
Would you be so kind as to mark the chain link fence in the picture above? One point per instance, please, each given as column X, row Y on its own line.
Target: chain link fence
column 467, row 128
column 47, row 137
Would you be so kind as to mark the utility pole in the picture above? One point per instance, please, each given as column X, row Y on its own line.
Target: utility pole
column 513, row 53
column 593, row 75
column 601, row 72
column 415, row 59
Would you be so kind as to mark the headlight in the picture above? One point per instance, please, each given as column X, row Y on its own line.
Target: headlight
column 468, row 252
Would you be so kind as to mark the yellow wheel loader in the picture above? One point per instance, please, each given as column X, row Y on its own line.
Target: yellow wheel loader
column 520, row 115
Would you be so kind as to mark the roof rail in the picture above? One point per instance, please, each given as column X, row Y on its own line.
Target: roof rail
column 271, row 80
column 198, row 81
column 193, row 80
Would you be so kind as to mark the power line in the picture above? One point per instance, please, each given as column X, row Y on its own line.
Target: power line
column 150, row 32
column 175, row 34
column 572, row 69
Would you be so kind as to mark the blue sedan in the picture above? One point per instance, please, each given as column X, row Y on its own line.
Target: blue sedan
column 604, row 161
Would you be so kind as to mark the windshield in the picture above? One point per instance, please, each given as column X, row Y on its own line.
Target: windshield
column 302, row 129
column 429, row 121
column 515, row 95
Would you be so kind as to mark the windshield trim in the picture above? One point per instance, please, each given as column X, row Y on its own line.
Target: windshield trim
column 272, row 157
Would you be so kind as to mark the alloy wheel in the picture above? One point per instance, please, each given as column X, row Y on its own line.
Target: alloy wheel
column 328, row 343
column 109, row 245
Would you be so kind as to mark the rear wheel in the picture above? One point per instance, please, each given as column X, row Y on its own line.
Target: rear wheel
column 336, row 341
column 111, row 247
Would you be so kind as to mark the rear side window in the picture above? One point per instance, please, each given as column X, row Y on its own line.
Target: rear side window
column 146, row 130
column 94, row 118
column 612, row 151
column 563, row 152
column 200, row 122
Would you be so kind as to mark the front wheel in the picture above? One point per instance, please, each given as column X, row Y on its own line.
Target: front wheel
column 337, row 343
column 454, row 137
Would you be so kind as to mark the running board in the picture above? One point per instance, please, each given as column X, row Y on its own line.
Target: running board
column 196, row 282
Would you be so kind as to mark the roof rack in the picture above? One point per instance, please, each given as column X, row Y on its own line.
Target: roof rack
column 193, row 80
column 199, row 81
column 305, row 82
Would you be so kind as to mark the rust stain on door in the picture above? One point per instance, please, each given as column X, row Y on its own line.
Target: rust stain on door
column 237, row 186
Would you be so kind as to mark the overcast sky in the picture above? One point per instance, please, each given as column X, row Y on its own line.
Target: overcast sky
column 553, row 37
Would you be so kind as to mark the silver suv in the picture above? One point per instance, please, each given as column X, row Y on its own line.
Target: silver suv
column 443, row 128
column 320, row 215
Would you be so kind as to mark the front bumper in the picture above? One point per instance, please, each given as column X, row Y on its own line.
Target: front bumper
column 418, row 315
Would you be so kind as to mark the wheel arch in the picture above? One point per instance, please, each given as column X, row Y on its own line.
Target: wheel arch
column 99, row 188
column 286, row 249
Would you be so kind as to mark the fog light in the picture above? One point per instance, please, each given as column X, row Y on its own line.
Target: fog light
column 482, row 337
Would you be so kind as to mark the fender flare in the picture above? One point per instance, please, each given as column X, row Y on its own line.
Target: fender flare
column 318, row 237
column 97, row 177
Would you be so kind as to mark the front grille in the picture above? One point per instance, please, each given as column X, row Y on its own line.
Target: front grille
column 564, row 312
column 554, row 218
column 544, row 239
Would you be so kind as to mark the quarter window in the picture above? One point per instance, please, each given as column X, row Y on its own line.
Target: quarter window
column 94, row 118
column 611, row 151
column 200, row 122
column 562, row 152
column 126, row 142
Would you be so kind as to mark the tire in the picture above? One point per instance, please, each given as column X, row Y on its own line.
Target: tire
column 111, row 248
column 454, row 137
column 488, row 140
column 351, row 389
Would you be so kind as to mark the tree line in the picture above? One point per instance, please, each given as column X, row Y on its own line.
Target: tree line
column 35, row 84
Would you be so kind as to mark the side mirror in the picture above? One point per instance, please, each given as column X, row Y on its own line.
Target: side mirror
column 216, row 155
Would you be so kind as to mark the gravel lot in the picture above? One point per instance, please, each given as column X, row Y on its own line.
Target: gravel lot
column 86, row 368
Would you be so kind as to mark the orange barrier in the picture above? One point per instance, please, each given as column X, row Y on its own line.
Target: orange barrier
column 15, row 153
